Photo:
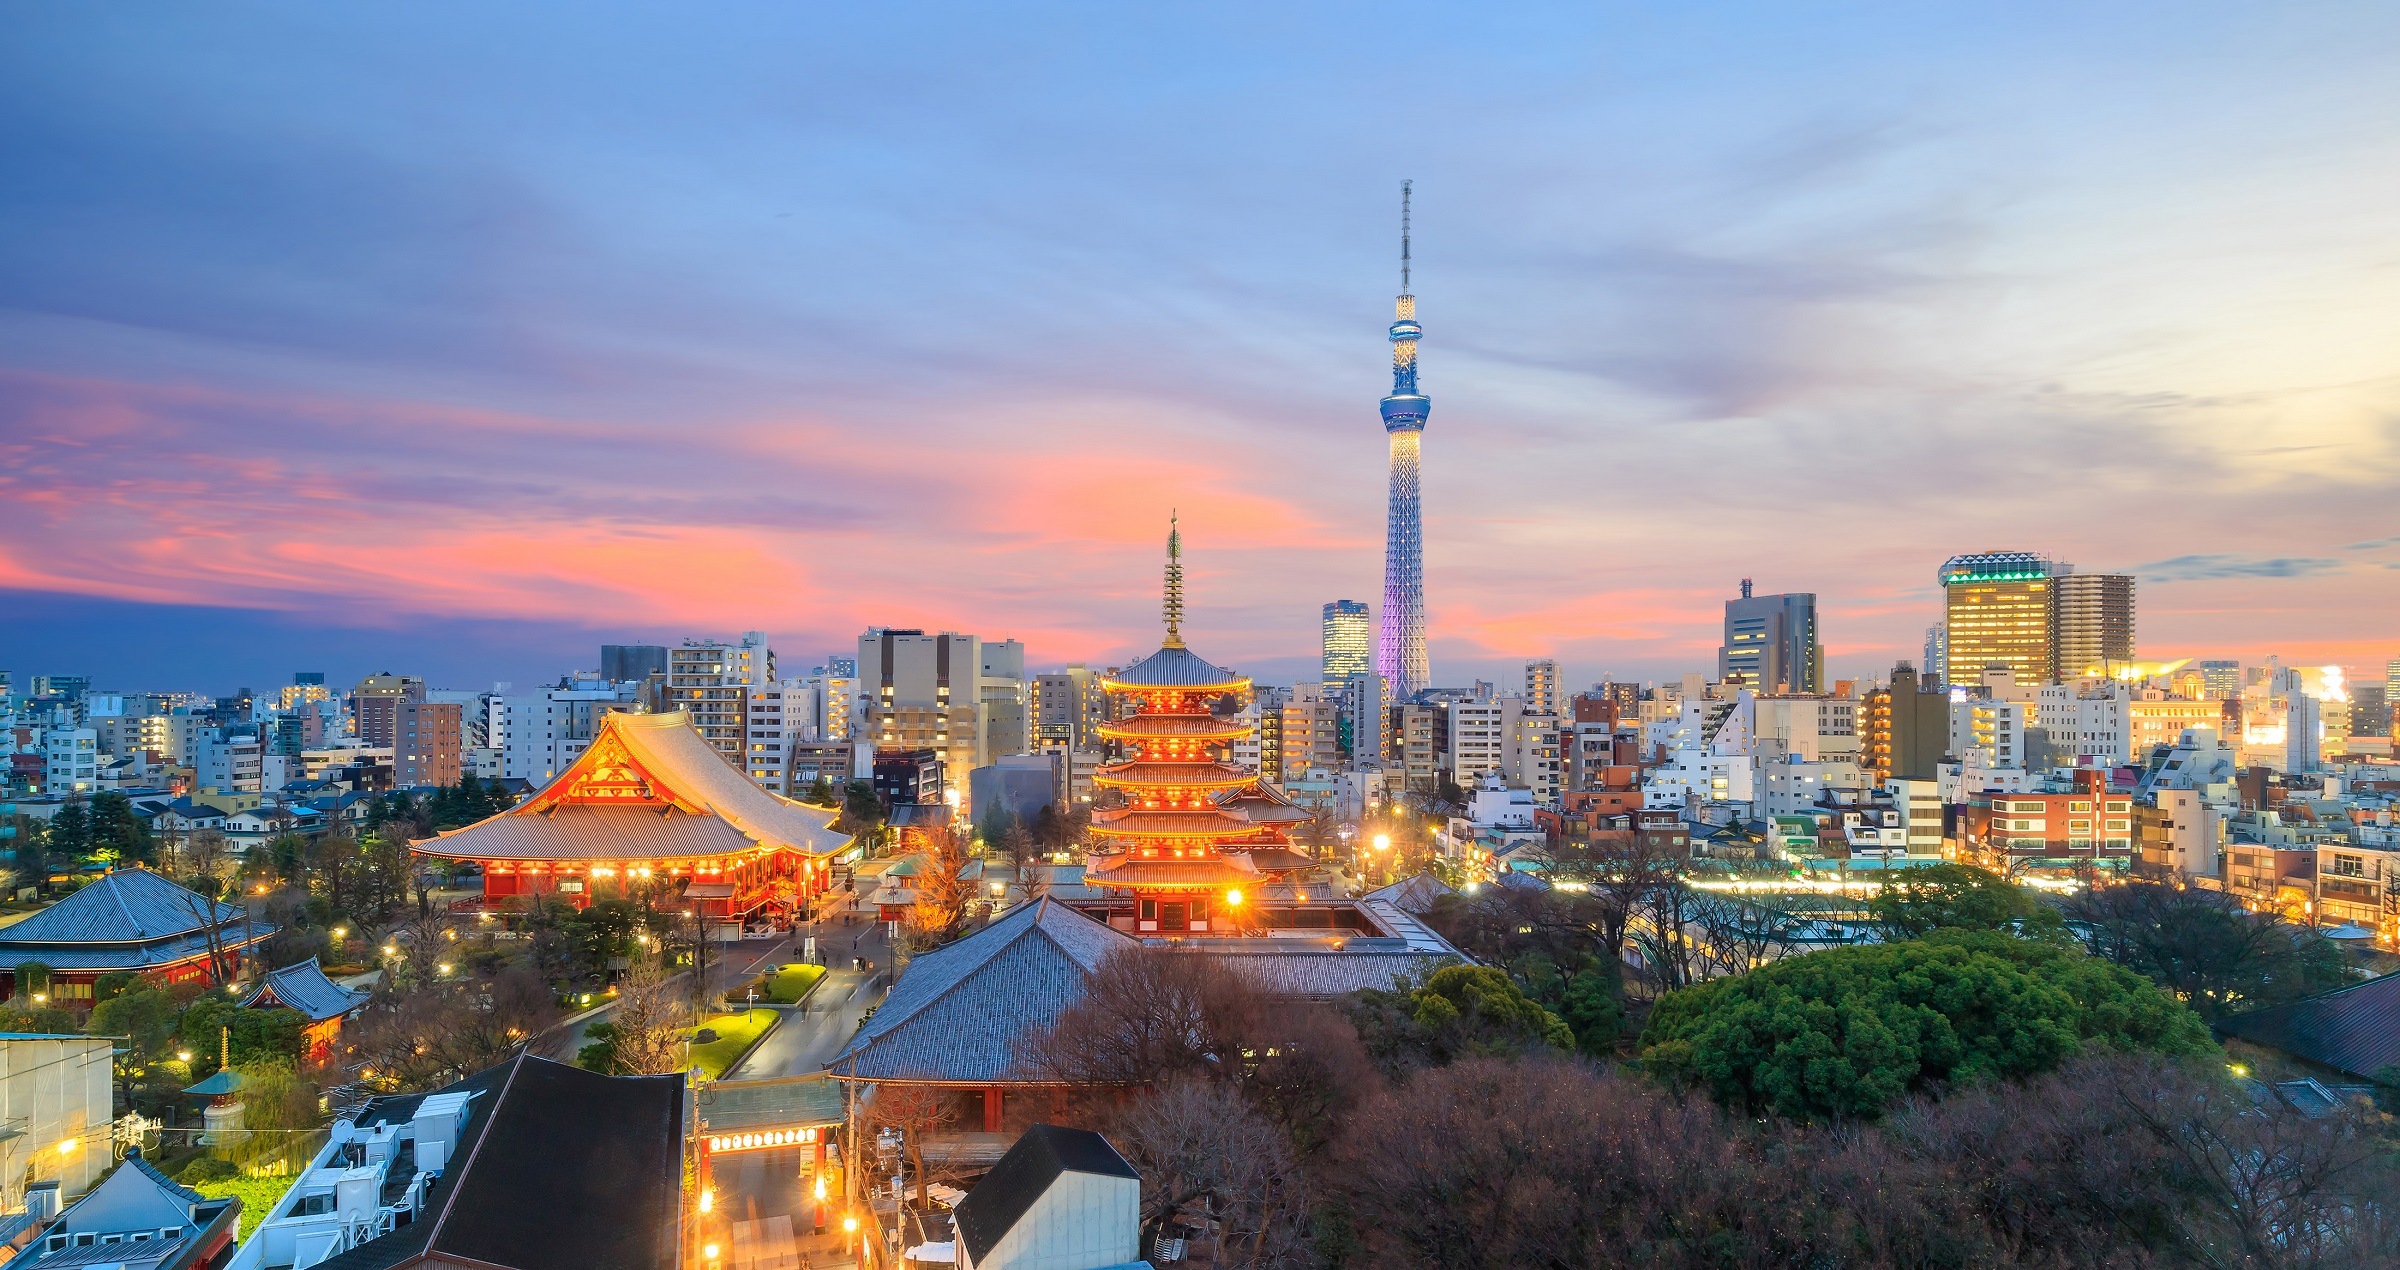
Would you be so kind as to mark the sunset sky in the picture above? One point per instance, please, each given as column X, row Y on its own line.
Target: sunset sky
column 457, row 339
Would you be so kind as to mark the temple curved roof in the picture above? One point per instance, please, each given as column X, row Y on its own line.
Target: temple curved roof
column 1137, row 822
column 648, row 787
column 1175, row 667
column 1171, row 775
column 1174, row 727
column 1169, row 872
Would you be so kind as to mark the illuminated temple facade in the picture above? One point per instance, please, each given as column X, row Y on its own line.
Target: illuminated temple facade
column 650, row 806
column 1189, row 842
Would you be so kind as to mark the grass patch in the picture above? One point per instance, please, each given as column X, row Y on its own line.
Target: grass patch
column 258, row 1196
column 735, row 1032
column 788, row 984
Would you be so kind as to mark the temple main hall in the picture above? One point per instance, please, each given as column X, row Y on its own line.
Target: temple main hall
column 651, row 807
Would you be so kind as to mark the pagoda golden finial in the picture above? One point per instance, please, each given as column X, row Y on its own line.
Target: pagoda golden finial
column 1174, row 582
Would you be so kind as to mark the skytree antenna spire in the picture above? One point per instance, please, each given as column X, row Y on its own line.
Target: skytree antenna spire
column 1400, row 627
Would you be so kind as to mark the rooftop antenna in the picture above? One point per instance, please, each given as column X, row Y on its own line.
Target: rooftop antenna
column 1404, row 186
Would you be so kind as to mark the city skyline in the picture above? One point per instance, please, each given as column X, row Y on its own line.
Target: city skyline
column 337, row 376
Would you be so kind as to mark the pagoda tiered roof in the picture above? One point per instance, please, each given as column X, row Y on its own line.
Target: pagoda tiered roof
column 1171, row 774
column 1174, row 667
column 649, row 787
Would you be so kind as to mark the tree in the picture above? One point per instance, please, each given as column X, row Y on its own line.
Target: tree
column 1914, row 902
column 820, row 793
column 862, row 810
column 1594, row 1009
column 646, row 1030
column 943, row 891
column 34, row 862
column 144, row 1016
column 915, row 1112
column 2215, row 955
column 416, row 1035
column 1149, row 1013
column 1211, row 1163
column 116, row 829
column 1457, row 1012
column 1846, row 1032
column 71, row 831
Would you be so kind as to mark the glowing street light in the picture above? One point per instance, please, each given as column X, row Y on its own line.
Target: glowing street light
column 1383, row 842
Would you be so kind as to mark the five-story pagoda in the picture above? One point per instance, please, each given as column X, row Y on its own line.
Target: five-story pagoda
column 1161, row 844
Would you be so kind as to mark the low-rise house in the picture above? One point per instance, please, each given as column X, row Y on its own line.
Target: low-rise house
column 1061, row 1199
column 529, row 1165
column 135, row 1219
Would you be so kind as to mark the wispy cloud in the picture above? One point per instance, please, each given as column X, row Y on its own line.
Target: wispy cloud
column 2197, row 568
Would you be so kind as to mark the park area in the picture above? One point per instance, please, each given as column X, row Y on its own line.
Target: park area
column 788, row 984
column 734, row 1034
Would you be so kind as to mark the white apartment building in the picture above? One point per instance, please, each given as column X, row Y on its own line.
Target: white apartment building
column 1482, row 732
column 1790, row 785
column 1811, row 728
column 70, row 760
column 954, row 694
column 1992, row 731
column 780, row 717
column 1536, row 757
column 547, row 733
column 2197, row 824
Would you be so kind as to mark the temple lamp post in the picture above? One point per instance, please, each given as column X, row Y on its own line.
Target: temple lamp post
column 1383, row 844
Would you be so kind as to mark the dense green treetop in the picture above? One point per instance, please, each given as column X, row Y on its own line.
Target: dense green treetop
column 1845, row 1032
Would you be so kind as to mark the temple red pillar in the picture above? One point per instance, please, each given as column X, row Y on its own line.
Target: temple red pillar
column 991, row 1109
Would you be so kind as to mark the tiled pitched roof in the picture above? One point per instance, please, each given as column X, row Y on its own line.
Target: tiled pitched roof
column 1414, row 895
column 128, row 906
column 305, row 988
column 720, row 809
column 2354, row 1029
column 957, row 1012
column 1326, row 973
column 1176, row 667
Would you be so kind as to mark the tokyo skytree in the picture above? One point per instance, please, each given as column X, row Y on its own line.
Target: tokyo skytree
column 1400, row 628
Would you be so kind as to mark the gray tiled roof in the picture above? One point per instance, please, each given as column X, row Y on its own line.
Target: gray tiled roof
column 2354, row 1029
column 1412, row 894
column 957, row 1012
column 305, row 988
column 128, row 906
column 133, row 957
column 1174, row 668
column 1322, row 973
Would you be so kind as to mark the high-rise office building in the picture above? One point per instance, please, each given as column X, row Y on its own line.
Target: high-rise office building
column 1997, row 613
column 1937, row 649
column 1771, row 642
column 1400, row 633
column 632, row 663
column 2091, row 624
column 1348, row 648
column 2221, row 680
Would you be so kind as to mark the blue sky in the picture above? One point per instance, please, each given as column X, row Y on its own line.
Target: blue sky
column 332, row 336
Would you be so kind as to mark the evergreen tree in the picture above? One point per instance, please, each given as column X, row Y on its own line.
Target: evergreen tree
column 71, row 831
column 114, row 827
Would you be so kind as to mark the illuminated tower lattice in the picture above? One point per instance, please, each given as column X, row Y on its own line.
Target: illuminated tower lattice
column 1400, row 630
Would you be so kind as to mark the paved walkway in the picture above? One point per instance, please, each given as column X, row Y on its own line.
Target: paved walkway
column 816, row 1030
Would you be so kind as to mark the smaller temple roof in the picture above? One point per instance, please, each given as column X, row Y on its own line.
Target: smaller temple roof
column 304, row 987
column 127, row 906
column 224, row 1081
column 1175, row 667
column 957, row 1012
